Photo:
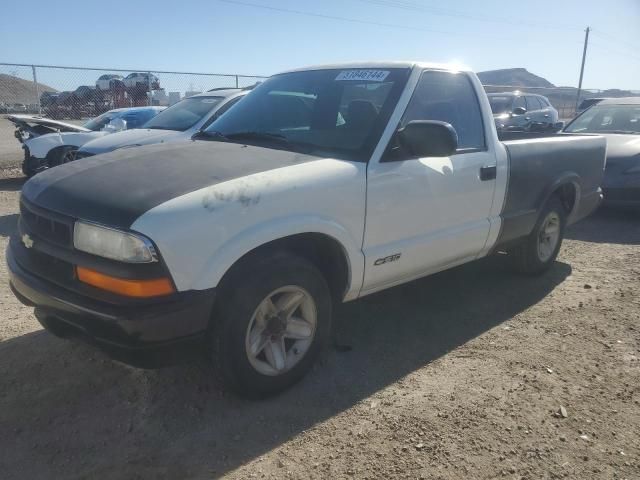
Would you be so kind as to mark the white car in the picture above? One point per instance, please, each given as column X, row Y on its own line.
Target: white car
column 106, row 82
column 141, row 79
column 177, row 123
column 321, row 186
column 47, row 143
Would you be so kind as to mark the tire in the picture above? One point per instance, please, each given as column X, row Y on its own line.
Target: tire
column 27, row 165
column 61, row 155
column 539, row 250
column 244, row 319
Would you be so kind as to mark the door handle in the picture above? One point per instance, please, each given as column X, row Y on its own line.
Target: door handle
column 527, row 118
column 488, row 173
column 546, row 115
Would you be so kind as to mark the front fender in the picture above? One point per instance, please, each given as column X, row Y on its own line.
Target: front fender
column 40, row 146
column 214, row 268
column 200, row 235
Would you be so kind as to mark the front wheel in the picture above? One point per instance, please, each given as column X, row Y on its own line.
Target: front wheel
column 273, row 319
column 540, row 249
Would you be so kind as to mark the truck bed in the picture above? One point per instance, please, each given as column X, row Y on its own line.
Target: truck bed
column 538, row 164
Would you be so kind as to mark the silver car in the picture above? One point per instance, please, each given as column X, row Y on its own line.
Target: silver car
column 175, row 124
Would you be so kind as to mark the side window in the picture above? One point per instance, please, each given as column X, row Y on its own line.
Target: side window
column 533, row 104
column 519, row 102
column 544, row 102
column 448, row 97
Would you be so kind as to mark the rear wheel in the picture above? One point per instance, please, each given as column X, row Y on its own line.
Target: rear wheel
column 273, row 319
column 540, row 249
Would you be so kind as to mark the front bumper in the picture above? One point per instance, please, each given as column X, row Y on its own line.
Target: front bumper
column 152, row 334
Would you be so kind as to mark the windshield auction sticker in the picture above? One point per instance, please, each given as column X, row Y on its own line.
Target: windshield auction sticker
column 368, row 75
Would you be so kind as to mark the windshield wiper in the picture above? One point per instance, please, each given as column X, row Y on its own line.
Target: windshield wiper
column 209, row 135
column 255, row 135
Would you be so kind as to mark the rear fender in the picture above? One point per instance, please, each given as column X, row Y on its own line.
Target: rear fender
column 566, row 178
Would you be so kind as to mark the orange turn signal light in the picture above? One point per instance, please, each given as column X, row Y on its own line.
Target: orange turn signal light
column 130, row 288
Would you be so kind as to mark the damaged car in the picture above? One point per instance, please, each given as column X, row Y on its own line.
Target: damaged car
column 47, row 142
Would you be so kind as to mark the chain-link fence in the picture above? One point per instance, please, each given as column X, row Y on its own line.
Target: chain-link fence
column 74, row 93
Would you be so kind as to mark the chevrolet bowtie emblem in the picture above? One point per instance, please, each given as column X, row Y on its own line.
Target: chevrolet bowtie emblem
column 27, row 240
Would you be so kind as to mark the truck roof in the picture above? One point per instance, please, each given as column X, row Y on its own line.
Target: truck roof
column 389, row 64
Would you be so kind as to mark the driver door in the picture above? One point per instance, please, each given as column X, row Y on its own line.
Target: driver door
column 424, row 214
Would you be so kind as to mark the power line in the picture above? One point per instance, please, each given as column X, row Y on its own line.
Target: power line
column 615, row 52
column 367, row 22
column 611, row 38
column 412, row 6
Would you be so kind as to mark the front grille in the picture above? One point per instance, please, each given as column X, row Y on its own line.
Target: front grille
column 47, row 226
column 45, row 266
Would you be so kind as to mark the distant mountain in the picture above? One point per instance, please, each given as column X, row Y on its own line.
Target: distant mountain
column 18, row 90
column 518, row 77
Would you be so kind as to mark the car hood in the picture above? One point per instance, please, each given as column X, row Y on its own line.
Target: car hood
column 117, row 187
column 622, row 146
column 623, row 154
column 128, row 138
column 26, row 120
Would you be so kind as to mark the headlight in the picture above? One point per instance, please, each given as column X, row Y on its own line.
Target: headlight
column 110, row 243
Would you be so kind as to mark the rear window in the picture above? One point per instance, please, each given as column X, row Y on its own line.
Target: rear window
column 500, row 104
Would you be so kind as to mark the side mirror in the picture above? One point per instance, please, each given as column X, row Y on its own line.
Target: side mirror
column 116, row 125
column 428, row 138
column 519, row 111
column 558, row 126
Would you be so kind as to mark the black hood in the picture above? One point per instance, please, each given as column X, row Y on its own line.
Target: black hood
column 116, row 188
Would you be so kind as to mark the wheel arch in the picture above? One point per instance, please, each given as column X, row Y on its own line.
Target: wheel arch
column 567, row 188
column 327, row 246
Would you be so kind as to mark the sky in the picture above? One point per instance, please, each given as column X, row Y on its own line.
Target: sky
column 263, row 37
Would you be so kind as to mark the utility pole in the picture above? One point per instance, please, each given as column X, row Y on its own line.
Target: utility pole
column 584, row 57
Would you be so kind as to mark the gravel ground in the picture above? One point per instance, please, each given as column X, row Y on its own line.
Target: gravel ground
column 459, row 375
column 11, row 155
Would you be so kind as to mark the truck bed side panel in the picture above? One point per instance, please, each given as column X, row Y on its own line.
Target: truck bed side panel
column 538, row 167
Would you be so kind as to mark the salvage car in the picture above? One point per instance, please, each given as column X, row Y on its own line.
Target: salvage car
column 47, row 142
column 618, row 119
column 177, row 123
column 138, row 79
column 108, row 81
column 517, row 111
column 240, row 242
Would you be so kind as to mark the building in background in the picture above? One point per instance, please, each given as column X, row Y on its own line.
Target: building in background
column 174, row 97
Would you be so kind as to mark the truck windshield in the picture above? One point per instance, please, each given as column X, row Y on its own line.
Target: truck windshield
column 184, row 114
column 624, row 119
column 333, row 112
column 500, row 104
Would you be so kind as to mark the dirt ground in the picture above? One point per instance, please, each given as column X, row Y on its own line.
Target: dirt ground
column 11, row 154
column 459, row 375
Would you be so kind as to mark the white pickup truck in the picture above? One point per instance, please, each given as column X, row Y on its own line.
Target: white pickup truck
column 323, row 185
